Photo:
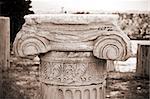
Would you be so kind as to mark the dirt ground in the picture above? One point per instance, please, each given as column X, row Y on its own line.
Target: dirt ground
column 127, row 86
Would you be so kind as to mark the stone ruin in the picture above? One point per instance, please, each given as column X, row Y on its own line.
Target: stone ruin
column 73, row 51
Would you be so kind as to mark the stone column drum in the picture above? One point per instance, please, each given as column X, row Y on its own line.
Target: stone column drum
column 73, row 50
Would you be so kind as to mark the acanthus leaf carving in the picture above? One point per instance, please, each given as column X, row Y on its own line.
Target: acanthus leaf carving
column 71, row 73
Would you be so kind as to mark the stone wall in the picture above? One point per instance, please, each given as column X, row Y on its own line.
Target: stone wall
column 21, row 81
column 136, row 25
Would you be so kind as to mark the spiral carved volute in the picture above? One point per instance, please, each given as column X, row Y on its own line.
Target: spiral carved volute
column 112, row 47
column 29, row 44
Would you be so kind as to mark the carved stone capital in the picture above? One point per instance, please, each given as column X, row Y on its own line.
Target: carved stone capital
column 88, row 33
column 69, row 45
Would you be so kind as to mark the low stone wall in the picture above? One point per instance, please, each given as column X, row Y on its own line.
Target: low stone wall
column 21, row 81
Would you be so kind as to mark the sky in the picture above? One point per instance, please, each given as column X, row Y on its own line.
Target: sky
column 56, row 6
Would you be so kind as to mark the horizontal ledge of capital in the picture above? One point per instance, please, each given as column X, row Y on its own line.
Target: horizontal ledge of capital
column 70, row 18
column 71, row 46
column 73, row 59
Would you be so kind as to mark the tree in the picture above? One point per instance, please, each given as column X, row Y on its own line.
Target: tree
column 16, row 10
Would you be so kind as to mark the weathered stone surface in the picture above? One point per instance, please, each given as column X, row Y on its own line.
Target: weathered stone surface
column 74, row 92
column 72, row 75
column 4, row 48
column 143, row 59
column 97, row 33
column 110, row 66
column 72, row 68
column 73, row 50
column 136, row 25
column 5, row 42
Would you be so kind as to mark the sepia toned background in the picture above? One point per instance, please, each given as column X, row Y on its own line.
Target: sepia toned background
column 21, row 80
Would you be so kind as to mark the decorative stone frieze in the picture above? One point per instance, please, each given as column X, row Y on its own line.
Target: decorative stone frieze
column 72, row 68
column 73, row 50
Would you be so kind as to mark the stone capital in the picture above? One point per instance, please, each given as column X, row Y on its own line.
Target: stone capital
column 68, row 45
column 70, row 32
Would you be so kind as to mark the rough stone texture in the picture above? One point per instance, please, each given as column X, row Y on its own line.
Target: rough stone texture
column 69, row 47
column 143, row 59
column 74, row 92
column 72, row 68
column 5, row 42
column 4, row 48
column 21, row 80
column 136, row 25
column 72, row 75
column 110, row 66
column 97, row 33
